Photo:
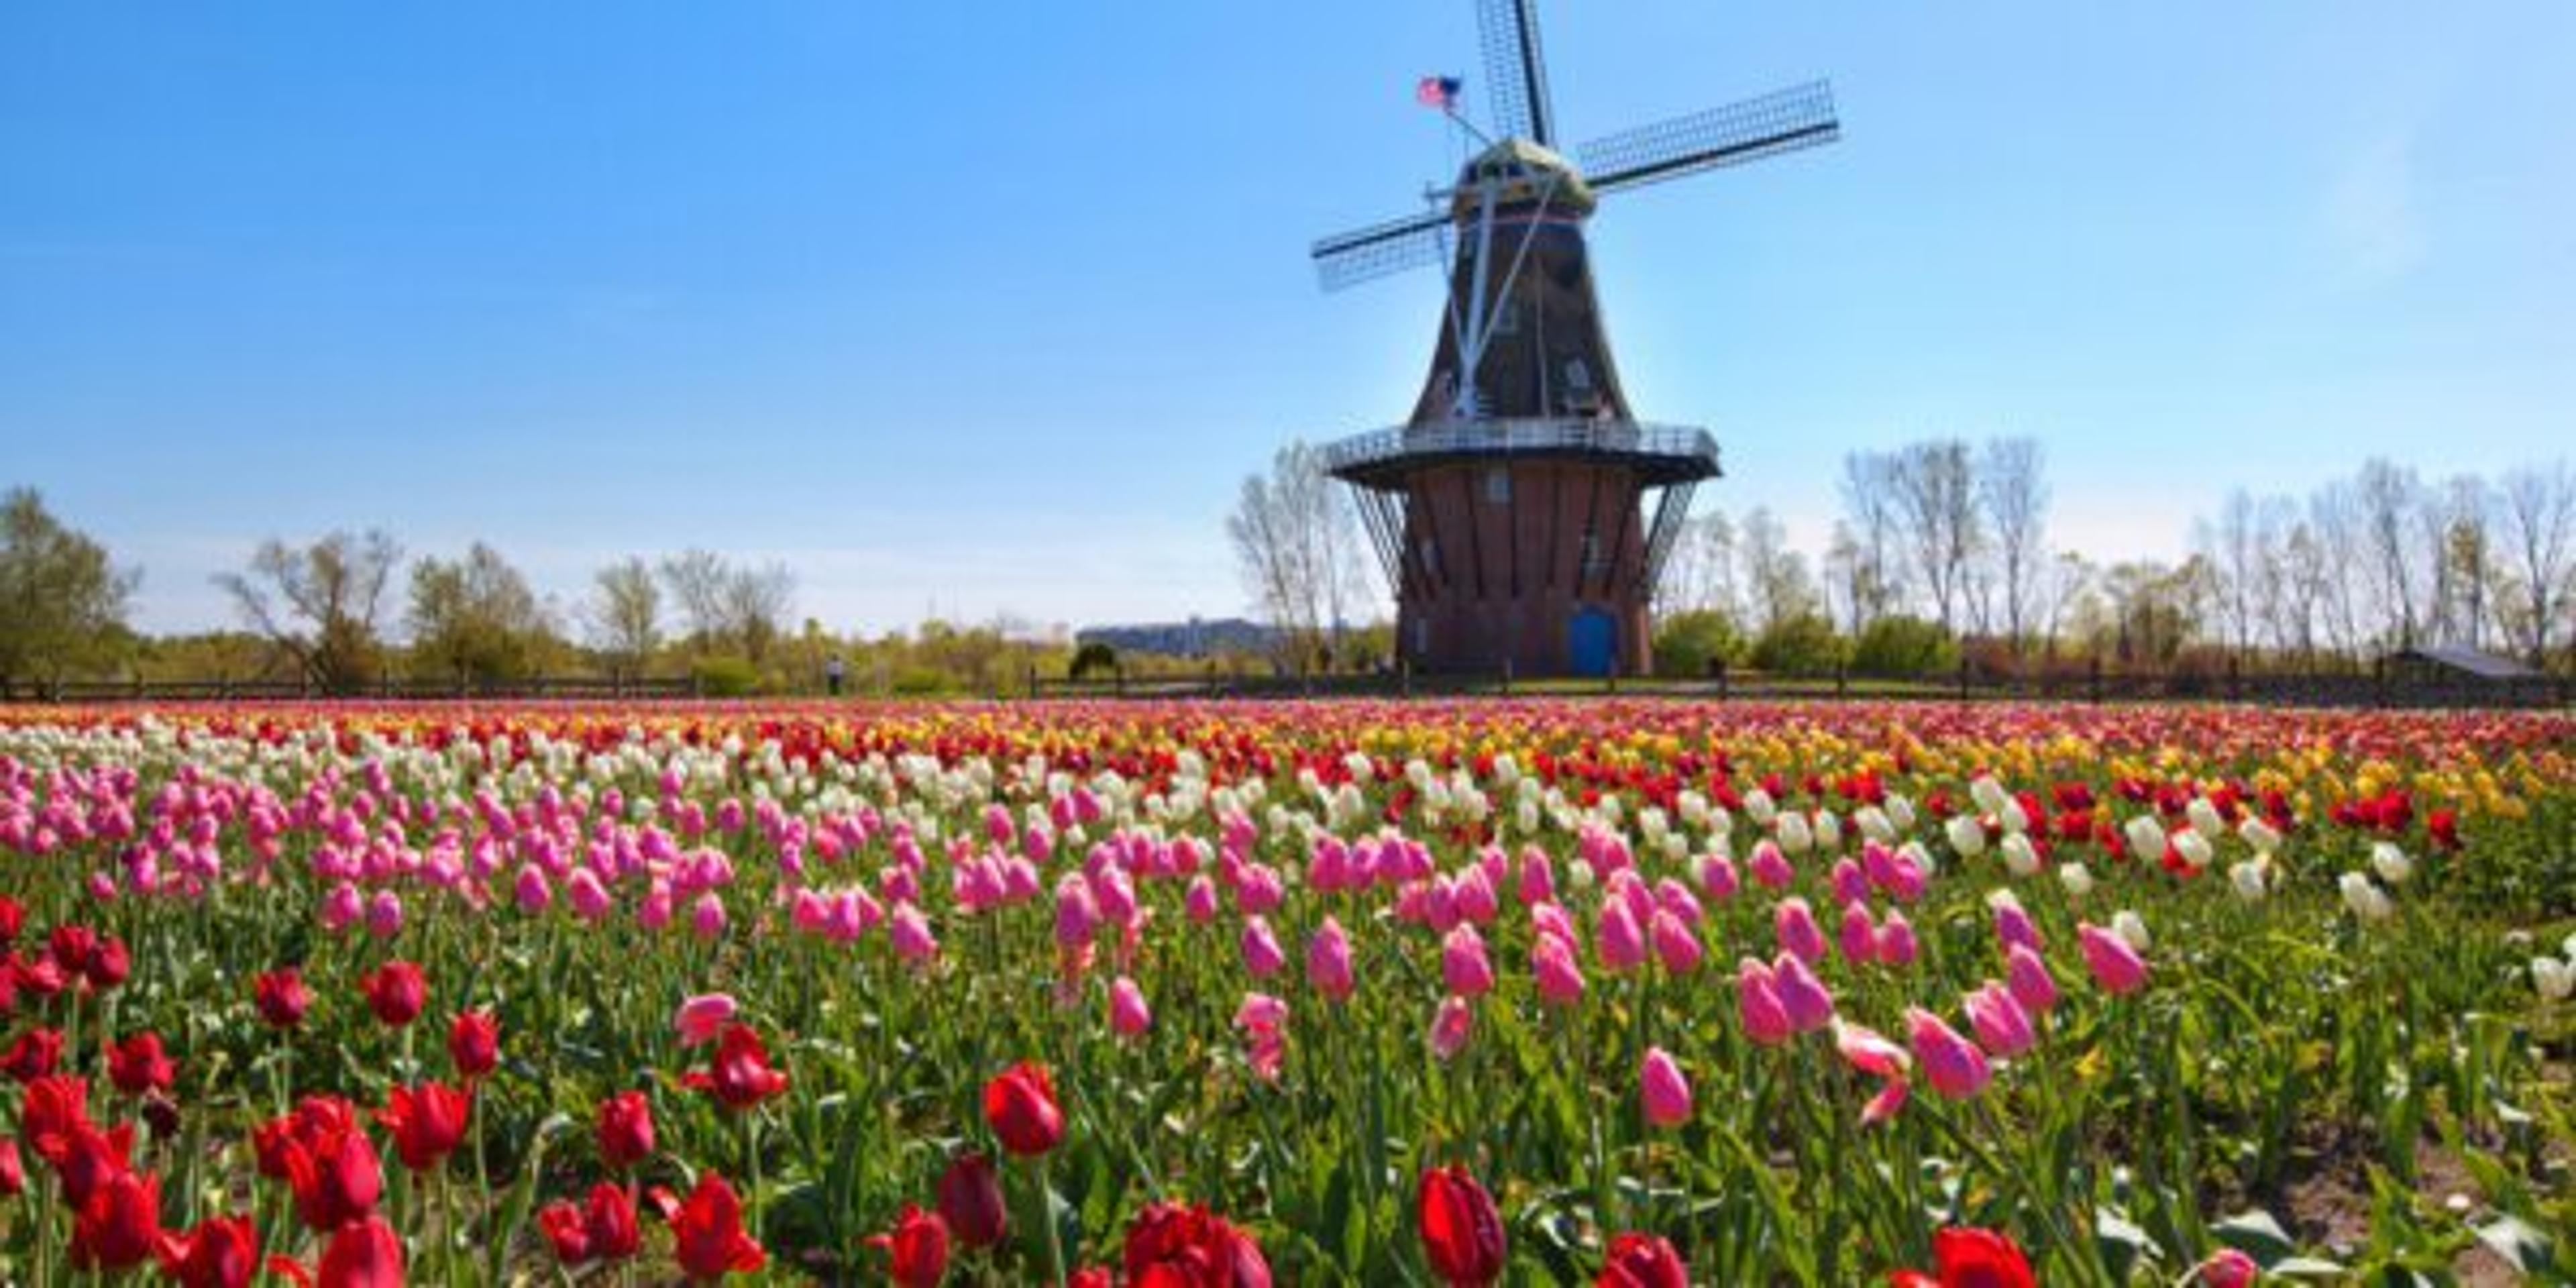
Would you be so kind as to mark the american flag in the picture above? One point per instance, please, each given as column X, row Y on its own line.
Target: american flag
column 1437, row 91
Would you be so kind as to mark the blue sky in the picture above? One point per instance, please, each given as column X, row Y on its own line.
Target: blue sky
column 989, row 307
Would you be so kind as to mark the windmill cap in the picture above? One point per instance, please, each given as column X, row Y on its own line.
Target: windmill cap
column 1526, row 171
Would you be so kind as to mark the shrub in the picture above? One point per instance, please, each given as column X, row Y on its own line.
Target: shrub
column 1903, row 647
column 1092, row 658
column 1798, row 644
column 1686, row 643
column 725, row 676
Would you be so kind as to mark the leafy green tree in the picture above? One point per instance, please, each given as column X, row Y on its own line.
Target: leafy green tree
column 1687, row 643
column 475, row 619
column 1901, row 646
column 1798, row 644
column 62, row 602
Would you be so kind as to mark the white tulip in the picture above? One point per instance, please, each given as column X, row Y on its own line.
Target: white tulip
column 2570, row 946
column 2132, row 927
column 2019, row 858
column 2391, row 863
column 1829, row 830
column 2366, row 900
column 2076, row 878
column 2204, row 817
column 1988, row 794
column 2014, row 818
column 2146, row 838
column 2259, row 835
column 1914, row 852
column 1900, row 811
column 2555, row 979
column 1795, row 836
column 2193, row 846
column 1872, row 822
column 1966, row 835
column 2247, row 877
column 1758, row 804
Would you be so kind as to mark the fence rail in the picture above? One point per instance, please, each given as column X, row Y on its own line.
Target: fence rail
column 559, row 688
column 2350, row 689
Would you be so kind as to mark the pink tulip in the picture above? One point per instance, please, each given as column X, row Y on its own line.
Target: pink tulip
column 2028, row 978
column 1795, row 926
column 911, row 935
column 1858, row 935
column 342, row 907
column 1870, row 1052
column 2115, row 965
column 1463, row 964
column 1451, row 1027
column 1676, row 944
column 2227, row 1268
column 1129, row 1017
column 1666, row 1093
column 1199, row 902
column 1951, row 1063
column 1537, row 877
column 590, row 899
column 2012, row 925
column 2002, row 1026
column 1850, row 886
column 702, row 1017
column 1077, row 914
column 1262, row 956
column 1757, row 1000
column 1770, row 867
column 1802, row 995
column 532, row 891
column 707, row 919
column 1896, row 943
column 1889, row 1101
column 1559, row 974
column 1264, row 1019
column 1328, row 962
column 1618, row 938
column 1717, row 877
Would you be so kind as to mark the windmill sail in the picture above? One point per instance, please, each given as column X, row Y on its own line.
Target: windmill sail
column 1801, row 116
column 1515, row 77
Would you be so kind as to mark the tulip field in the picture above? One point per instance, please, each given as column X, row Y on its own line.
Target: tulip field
column 1516, row 991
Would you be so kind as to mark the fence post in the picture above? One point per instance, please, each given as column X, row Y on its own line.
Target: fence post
column 2094, row 683
column 1718, row 664
column 1963, row 679
column 1507, row 677
column 1842, row 679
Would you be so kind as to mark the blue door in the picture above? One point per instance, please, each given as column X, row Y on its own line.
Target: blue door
column 1592, row 641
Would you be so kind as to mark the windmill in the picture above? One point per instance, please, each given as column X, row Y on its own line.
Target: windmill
column 1507, row 510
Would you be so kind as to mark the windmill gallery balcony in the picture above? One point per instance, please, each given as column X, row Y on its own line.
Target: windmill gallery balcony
column 1661, row 455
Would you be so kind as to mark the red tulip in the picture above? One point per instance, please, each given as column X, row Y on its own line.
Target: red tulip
column 364, row 1254
column 395, row 992
column 13, row 1170
column 36, row 1053
column 13, row 918
column 918, row 1246
column 137, row 1065
column 428, row 1122
column 51, row 1108
column 1643, row 1261
column 1970, row 1258
column 474, row 1043
column 602, row 1229
column 71, row 947
column 108, row 965
column 625, row 1130
column 119, row 1224
column 336, row 1177
column 1019, row 1104
column 970, row 1201
column 1462, row 1235
column 282, row 997
column 739, row 1075
column 87, row 1158
column 707, row 1235
column 1191, row 1247
column 222, row 1252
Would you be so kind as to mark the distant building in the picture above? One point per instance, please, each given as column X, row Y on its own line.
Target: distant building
column 1195, row 638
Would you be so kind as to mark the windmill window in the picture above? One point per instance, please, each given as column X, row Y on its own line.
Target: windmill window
column 1578, row 374
column 1498, row 485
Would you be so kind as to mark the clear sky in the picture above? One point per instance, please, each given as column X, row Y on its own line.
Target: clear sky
column 988, row 307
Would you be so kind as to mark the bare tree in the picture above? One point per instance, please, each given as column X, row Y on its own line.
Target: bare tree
column 757, row 604
column 2233, row 548
column 2012, row 492
column 1871, row 503
column 626, row 613
column 2334, row 515
column 319, row 602
column 1699, row 576
column 2389, row 497
column 1776, row 580
column 2539, row 522
column 1936, row 492
column 696, row 580
column 1292, row 538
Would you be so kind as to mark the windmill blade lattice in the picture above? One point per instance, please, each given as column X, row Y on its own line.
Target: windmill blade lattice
column 1801, row 116
column 1380, row 249
column 1515, row 76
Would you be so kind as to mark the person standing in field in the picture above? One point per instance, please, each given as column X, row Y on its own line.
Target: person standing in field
column 832, row 673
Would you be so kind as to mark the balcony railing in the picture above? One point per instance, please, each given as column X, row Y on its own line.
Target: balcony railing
column 1680, row 449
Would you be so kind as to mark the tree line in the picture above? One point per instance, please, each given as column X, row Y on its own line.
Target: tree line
column 347, row 611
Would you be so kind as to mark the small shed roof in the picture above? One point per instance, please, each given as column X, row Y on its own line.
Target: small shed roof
column 2468, row 661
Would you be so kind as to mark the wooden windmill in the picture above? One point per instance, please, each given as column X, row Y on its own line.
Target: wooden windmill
column 1510, row 510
